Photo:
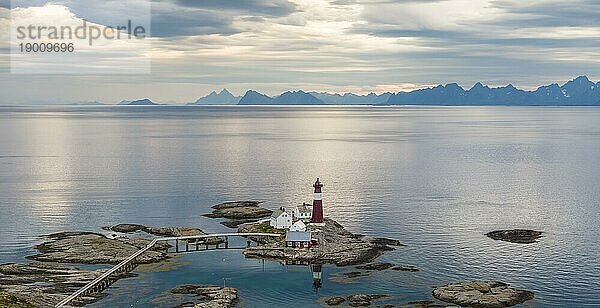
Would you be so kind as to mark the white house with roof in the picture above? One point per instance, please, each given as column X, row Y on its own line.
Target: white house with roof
column 281, row 219
column 303, row 211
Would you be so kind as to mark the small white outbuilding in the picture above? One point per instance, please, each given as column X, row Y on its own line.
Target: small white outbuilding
column 298, row 226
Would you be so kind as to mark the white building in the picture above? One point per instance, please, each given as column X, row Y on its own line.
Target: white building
column 298, row 226
column 280, row 219
column 303, row 211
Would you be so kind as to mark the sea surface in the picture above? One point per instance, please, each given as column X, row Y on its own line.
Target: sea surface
column 436, row 178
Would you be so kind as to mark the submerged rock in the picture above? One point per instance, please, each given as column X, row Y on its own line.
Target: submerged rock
column 336, row 245
column 348, row 277
column 405, row 268
column 515, row 236
column 491, row 294
column 363, row 300
column 423, row 304
column 210, row 296
column 93, row 248
column 355, row 274
column 375, row 266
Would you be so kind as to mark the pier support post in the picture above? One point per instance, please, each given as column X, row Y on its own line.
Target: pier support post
column 176, row 245
column 187, row 245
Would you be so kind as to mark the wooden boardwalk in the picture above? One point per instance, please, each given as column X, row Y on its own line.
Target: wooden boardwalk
column 104, row 281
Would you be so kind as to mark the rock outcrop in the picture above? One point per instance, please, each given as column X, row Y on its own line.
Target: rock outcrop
column 38, row 284
column 334, row 301
column 487, row 294
column 355, row 300
column 165, row 232
column 45, row 282
column 515, row 236
column 210, row 296
column 8, row 300
column 94, row 248
column 125, row 228
column 239, row 210
column 363, row 300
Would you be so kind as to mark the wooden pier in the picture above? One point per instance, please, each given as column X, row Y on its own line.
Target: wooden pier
column 198, row 243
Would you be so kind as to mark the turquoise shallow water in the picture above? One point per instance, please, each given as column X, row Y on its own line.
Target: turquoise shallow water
column 437, row 178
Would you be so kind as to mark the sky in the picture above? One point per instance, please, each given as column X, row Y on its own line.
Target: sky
column 271, row 46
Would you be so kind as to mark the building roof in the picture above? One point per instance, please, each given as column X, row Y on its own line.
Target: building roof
column 276, row 213
column 298, row 226
column 304, row 208
column 297, row 236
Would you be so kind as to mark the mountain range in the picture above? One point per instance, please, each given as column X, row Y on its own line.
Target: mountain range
column 351, row 98
column 222, row 98
column 579, row 91
column 287, row 98
column 139, row 102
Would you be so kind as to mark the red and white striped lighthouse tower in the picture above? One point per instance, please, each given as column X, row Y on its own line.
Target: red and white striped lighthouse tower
column 317, row 209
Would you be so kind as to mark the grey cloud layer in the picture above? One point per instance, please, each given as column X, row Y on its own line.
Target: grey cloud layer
column 252, row 7
column 365, row 42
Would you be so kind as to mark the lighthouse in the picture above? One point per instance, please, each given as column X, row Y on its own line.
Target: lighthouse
column 317, row 270
column 317, row 209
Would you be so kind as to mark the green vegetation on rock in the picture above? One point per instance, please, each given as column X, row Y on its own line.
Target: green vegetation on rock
column 8, row 300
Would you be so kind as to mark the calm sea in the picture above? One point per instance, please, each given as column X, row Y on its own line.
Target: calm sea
column 437, row 178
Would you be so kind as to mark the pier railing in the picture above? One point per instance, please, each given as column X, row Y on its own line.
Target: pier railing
column 103, row 281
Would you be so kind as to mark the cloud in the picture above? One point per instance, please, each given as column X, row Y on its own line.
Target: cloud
column 371, row 2
column 250, row 7
column 101, row 55
column 172, row 21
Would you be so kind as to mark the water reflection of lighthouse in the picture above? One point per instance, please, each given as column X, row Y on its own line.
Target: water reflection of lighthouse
column 316, row 270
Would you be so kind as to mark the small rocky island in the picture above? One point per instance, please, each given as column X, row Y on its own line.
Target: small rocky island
column 354, row 300
column 520, row 236
column 94, row 248
column 239, row 212
column 209, row 296
column 337, row 246
column 307, row 237
column 489, row 294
